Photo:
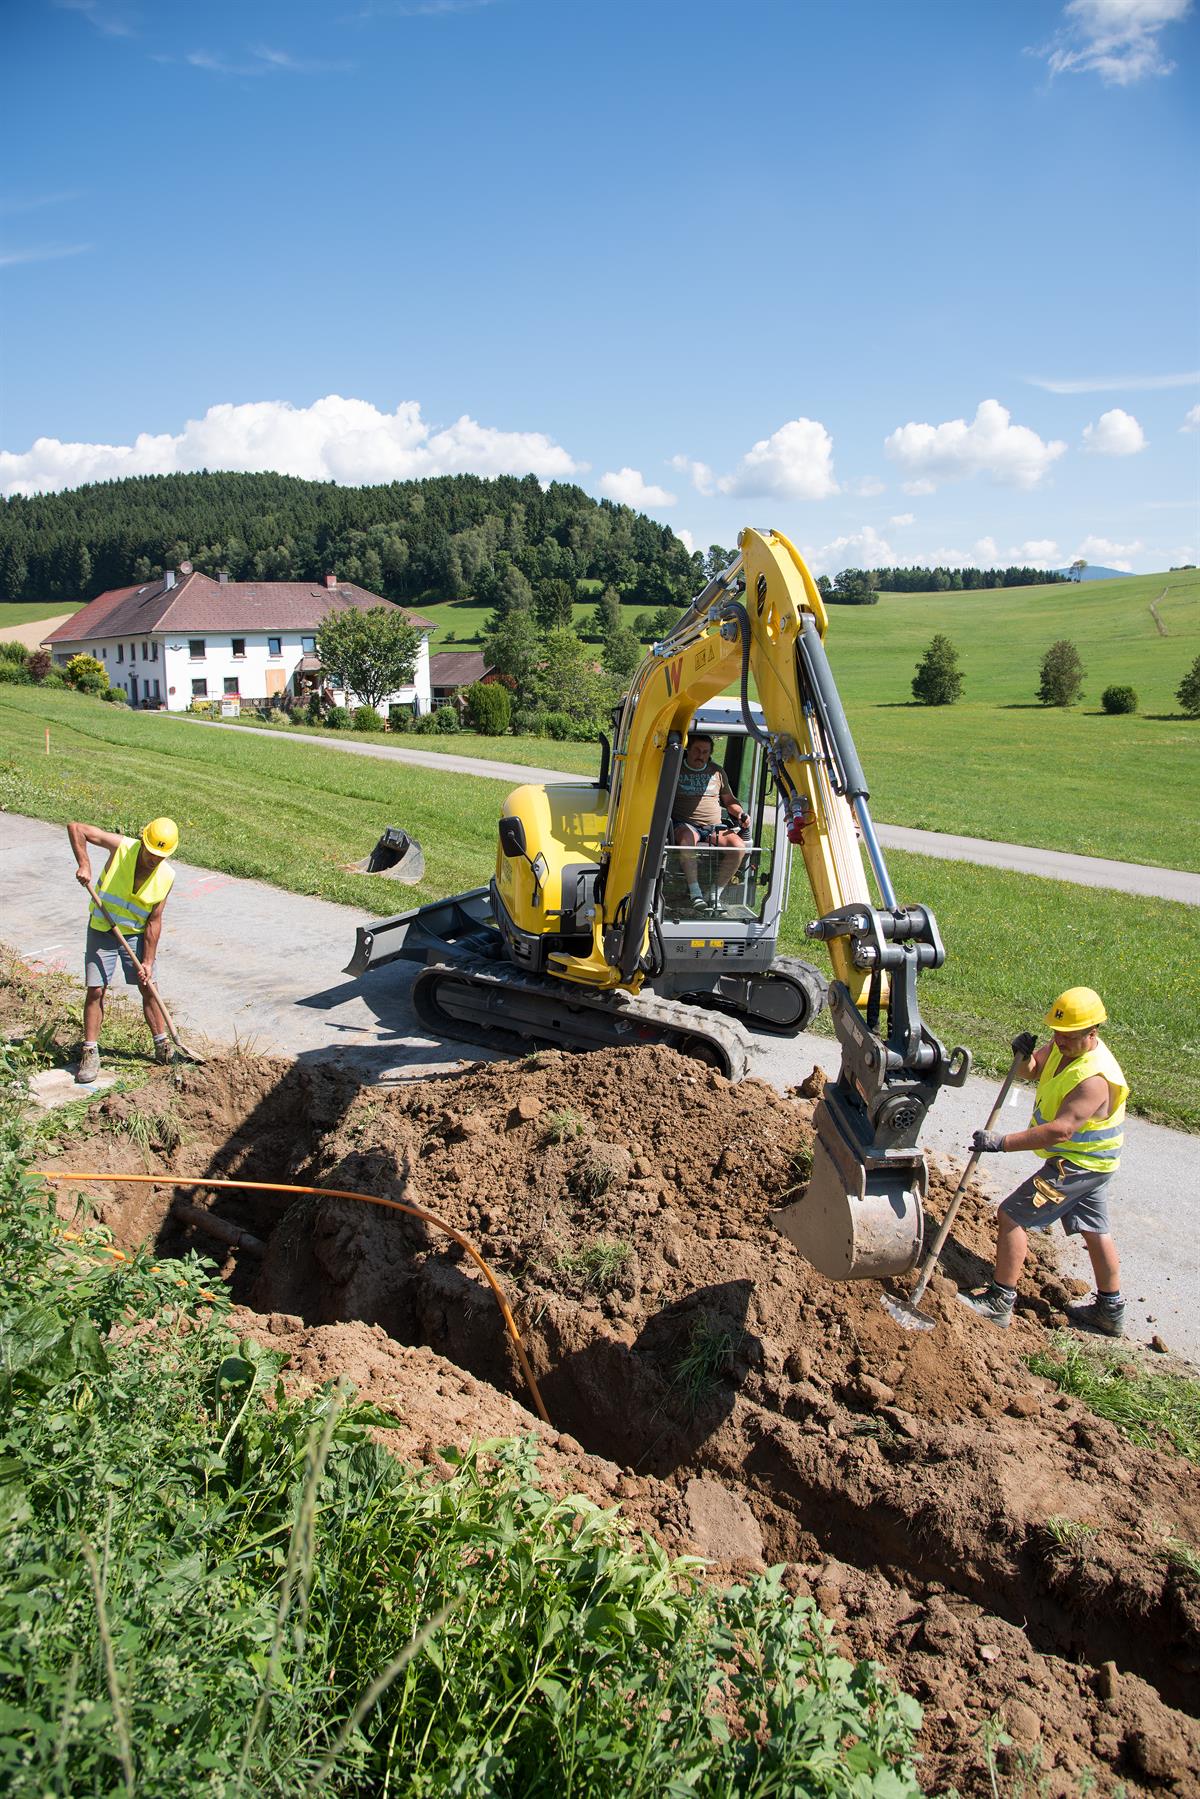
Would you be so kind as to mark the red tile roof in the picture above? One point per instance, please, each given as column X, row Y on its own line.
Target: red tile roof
column 198, row 603
column 456, row 668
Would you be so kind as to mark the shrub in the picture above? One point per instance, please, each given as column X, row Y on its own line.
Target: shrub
column 489, row 707
column 116, row 696
column 277, row 716
column 1119, row 699
column 426, row 725
column 1188, row 691
column 13, row 674
column 367, row 719
column 527, row 722
column 938, row 680
column 400, row 716
column 53, row 677
column 446, row 719
column 557, row 725
column 12, row 651
column 39, row 665
column 86, row 674
column 1061, row 675
column 337, row 718
column 314, row 711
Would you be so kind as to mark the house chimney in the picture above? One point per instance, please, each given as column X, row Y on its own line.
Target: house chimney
column 185, row 568
column 223, row 577
column 331, row 580
column 168, row 579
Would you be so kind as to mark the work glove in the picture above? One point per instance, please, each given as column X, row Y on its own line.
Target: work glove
column 1024, row 1044
column 987, row 1142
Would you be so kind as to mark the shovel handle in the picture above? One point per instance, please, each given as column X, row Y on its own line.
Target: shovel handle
column 952, row 1209
column 151, row 989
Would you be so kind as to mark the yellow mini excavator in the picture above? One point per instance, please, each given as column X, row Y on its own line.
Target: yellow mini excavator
column 589, row 935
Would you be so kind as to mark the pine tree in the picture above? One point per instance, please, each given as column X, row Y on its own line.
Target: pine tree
column 1061, row 675
column 938, row 680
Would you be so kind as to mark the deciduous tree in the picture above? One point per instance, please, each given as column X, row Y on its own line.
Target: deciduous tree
column 1188, row 691
column 371, row 653
column 1061, row 675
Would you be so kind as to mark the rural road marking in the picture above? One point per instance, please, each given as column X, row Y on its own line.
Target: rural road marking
column 1052, row 865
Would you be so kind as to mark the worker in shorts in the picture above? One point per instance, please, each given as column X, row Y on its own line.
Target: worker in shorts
column 1077, row 1129
column 134, row 886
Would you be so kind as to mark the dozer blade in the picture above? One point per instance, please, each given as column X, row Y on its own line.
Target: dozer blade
column 861, row 1217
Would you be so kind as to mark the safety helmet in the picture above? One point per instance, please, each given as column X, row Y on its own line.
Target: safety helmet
column 1078, row 1009
column 161, row 836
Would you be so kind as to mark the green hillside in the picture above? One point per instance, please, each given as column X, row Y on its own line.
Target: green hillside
column 21, row 612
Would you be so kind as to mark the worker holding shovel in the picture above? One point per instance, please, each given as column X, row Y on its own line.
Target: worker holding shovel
column 131, row 895
column 1077, row 1129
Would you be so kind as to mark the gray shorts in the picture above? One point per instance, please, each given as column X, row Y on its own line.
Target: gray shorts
column 101, row 956
column 1082, row 1206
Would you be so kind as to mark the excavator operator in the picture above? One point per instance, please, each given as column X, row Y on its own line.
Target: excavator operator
column 696, row 818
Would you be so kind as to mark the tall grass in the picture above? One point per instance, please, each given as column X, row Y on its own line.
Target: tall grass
column 211, row 1586
column 1147, row 1406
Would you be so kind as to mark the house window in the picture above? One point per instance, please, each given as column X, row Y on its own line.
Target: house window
column 120, row 652
column 274, row 646
column 157, row 694
column 231, row 684
column 199, row 690
column 196, row 648
column 145, row 651
column 239, row 648
column 308, row 645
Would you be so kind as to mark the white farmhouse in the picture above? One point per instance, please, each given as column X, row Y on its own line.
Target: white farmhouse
column 183, row 638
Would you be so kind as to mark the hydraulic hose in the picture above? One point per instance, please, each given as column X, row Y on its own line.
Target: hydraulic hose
column 367, row 1199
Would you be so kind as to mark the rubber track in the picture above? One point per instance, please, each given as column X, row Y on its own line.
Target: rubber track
column 614, row 1018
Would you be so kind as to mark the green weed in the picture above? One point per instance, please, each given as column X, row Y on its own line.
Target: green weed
column 1146, row 1406
column 597, row 1267
column 1068, row 1533
column 562, row 1125
column 1183, row 1558
column 704, row 1360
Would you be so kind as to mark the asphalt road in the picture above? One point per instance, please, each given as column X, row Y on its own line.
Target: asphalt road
column 241, row 961
column 1053, row 865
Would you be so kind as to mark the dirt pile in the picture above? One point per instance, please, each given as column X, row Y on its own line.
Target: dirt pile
column 995, row 1546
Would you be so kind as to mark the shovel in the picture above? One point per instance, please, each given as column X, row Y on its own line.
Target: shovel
column 906, row 1311
column 190, row 1055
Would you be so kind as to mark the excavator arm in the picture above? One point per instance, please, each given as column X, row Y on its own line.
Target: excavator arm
column 762, row 619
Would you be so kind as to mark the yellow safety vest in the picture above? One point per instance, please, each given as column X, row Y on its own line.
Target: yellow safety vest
column 1097, row 1143
column 130, row 906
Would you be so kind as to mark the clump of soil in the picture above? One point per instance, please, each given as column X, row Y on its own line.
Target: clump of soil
column 995, row 1546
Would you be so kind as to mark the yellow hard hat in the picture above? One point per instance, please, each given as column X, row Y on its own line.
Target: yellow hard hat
column 1078, row 1009
column 161, row 836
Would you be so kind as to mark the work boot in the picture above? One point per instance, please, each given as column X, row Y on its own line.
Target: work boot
column 1099, row 1313
column 994, row 1303
column 162, row 1051
column 89, row 1066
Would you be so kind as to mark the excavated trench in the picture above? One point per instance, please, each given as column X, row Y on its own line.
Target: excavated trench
column 622, row 1199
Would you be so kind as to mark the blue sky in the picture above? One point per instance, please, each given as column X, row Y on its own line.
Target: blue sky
column 908, row 280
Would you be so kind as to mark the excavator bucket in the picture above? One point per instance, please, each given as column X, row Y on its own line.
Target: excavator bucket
column 861, row 1216
column 396, row 855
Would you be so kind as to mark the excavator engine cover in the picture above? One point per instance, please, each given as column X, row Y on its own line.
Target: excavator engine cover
column 861, row 1216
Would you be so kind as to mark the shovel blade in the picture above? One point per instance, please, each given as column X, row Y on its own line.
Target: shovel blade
column 908, row 1316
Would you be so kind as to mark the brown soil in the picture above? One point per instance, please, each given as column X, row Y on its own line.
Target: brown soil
column 923, row 1486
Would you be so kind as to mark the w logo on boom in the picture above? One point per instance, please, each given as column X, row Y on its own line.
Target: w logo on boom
column 674, row 671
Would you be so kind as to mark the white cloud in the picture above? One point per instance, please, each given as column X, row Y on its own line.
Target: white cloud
column 991, row 444
column 902, row 518
column 626, row 486
column 986, row 550
column 1039, row 552
column 1115, row 39
column 334, row 439
column 857, row 549
column 699, row 474
column 917, row 490
column 107, row 23
column 794, row 463
column 1108, row 554
column 42, row 253
column 1192, row 420
column 1115, row 433
column 265, row 61
column 865, row 487
column 1103, row 384
column 685, row 538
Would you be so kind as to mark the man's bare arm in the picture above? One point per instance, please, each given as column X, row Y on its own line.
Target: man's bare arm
column 151, row 936
column 1088, row 1100
column 79, row 836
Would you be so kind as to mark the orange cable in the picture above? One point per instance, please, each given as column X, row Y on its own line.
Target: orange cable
column 368, row 1199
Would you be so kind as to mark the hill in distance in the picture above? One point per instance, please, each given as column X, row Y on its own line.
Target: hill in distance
column 1094, row 572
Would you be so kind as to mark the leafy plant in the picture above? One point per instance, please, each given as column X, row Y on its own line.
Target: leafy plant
column 86, row 674
column 1116, row 700
column 1061, row 678
column 367, row 719
column 596, row 1268
column 562, row 1125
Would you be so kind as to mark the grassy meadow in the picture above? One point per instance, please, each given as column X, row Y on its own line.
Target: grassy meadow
column 20, row 612
column 999, row 764
column 294, row 815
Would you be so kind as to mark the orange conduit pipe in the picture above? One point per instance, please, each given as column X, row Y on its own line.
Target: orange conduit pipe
column 366, row 1199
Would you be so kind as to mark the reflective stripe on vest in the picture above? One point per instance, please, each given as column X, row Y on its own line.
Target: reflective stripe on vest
column 1097, row 1142
column 130, row 906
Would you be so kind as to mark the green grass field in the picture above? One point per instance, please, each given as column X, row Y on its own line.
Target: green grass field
column 295, row 815
column 18, row 612
column 999, row 764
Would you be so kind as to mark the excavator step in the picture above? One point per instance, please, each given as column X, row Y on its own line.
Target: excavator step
column 496, row 1005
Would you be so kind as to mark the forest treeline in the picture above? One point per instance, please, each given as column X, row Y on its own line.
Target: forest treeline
column 436, row 539
column 445, row 538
